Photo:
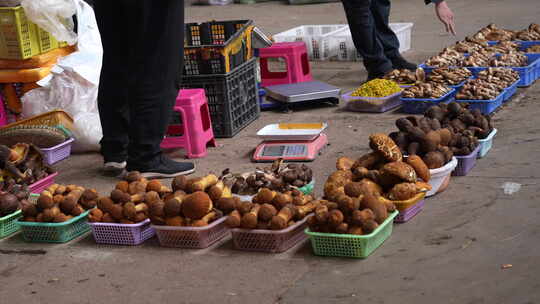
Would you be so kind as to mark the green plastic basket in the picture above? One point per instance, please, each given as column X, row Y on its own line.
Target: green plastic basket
column 8, row 224
column 55, row 232
column 347, row 245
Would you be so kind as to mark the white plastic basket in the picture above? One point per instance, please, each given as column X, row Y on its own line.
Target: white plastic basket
column 316, row 38
column 342, row 47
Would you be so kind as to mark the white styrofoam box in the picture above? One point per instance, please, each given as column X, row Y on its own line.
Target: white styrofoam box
column 341, row 41
column 316, row 38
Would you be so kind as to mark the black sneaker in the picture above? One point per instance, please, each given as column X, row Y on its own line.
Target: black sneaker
column 166, row 168
column 114, row 168
column 401, row 63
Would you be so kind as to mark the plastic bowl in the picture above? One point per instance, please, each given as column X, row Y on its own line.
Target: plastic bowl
column 439, row 176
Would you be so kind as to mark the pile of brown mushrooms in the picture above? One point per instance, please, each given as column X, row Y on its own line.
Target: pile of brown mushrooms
column 503, row 76
column 428, row 90
column 404, row 76
column 493, row 33
column 448, row 57
column 529, row 34
column 278, row 177
column 480, row 89
column 512, row 59
column 448, row 76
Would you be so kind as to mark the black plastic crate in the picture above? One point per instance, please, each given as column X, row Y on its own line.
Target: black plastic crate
column 232, row 97
column 216, row 47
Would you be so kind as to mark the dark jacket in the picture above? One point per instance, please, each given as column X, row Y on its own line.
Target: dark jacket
column 434, row 1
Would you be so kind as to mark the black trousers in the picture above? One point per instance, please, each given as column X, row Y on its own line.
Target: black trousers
column 371, row 34
column 143, row 44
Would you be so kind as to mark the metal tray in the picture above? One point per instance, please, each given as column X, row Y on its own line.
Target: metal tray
column 273, row 132
column 302, row 91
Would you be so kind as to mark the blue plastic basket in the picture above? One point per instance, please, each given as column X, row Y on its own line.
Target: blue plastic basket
column 536, row 58
column 523, row 45
column 419, row 105
column 485, row 106
column 486, row 144
column 510, row 91
column 528, row 74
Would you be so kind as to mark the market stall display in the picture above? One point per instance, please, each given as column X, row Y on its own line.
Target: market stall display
column 24, row 164
column 278, row 177
column 377, row 95
column 405, row 77
column 449, row 77
column 187, row 216
column 271, row 222
column 58, row 215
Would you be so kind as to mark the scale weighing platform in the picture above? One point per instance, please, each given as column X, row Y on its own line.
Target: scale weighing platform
column 304, row 92
column 290, row 142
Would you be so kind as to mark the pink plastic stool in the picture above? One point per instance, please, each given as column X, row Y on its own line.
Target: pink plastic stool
column 3, row 114
column 195, row 133
column 296, row 59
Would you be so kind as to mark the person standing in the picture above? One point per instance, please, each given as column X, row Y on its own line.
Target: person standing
column 374, row 39
column 143, row 44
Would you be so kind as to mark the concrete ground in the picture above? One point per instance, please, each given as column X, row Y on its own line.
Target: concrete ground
column 452, row 252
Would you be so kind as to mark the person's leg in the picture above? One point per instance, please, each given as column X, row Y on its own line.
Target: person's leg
column 364, row 35
column 111, row 18
column 158, row 62
column 380, row 10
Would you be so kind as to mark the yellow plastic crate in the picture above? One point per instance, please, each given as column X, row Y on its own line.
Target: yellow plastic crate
column 20, row 38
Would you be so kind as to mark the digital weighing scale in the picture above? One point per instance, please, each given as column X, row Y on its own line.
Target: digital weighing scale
column 303, row 92
column 290, row 142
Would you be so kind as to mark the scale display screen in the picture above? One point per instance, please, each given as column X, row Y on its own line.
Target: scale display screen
column 284, row 150
column 273, row 150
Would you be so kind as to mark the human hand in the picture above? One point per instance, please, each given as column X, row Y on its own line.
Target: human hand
column 445, row 14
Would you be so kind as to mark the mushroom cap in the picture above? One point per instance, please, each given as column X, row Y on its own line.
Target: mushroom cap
column 122, row 186
column 179, row 183
column 196, row 205
column 128, row 211
column 384, row 145
column 266, row 212
column 67, row 206
column 45, row 202
column 154, row 185
column 403, row 191
column 8, row 203
column 399, row 169
column 133, row 176
column 172, row 208
column 419, row 167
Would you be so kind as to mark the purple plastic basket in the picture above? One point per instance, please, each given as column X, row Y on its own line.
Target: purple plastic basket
column 122, row 234
column 58, row 152
column 42, row 184
column 273, row 241
column 371, row 104
column 192, row 237
column 466, row 163
column 410, row 212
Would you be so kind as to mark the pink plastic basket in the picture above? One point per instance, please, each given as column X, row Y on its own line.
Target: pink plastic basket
column 466, row 163
column 191, row 237
column 409, row 213
column 273, row 241
column 42, row 184
column 122, row 234
column 58, row 152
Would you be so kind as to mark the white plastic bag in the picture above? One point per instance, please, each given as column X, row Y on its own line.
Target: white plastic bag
column 54, row 16
column 73, row 84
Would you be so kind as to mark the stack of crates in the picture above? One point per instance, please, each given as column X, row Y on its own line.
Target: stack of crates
column 27, row 54
column 218, row 58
